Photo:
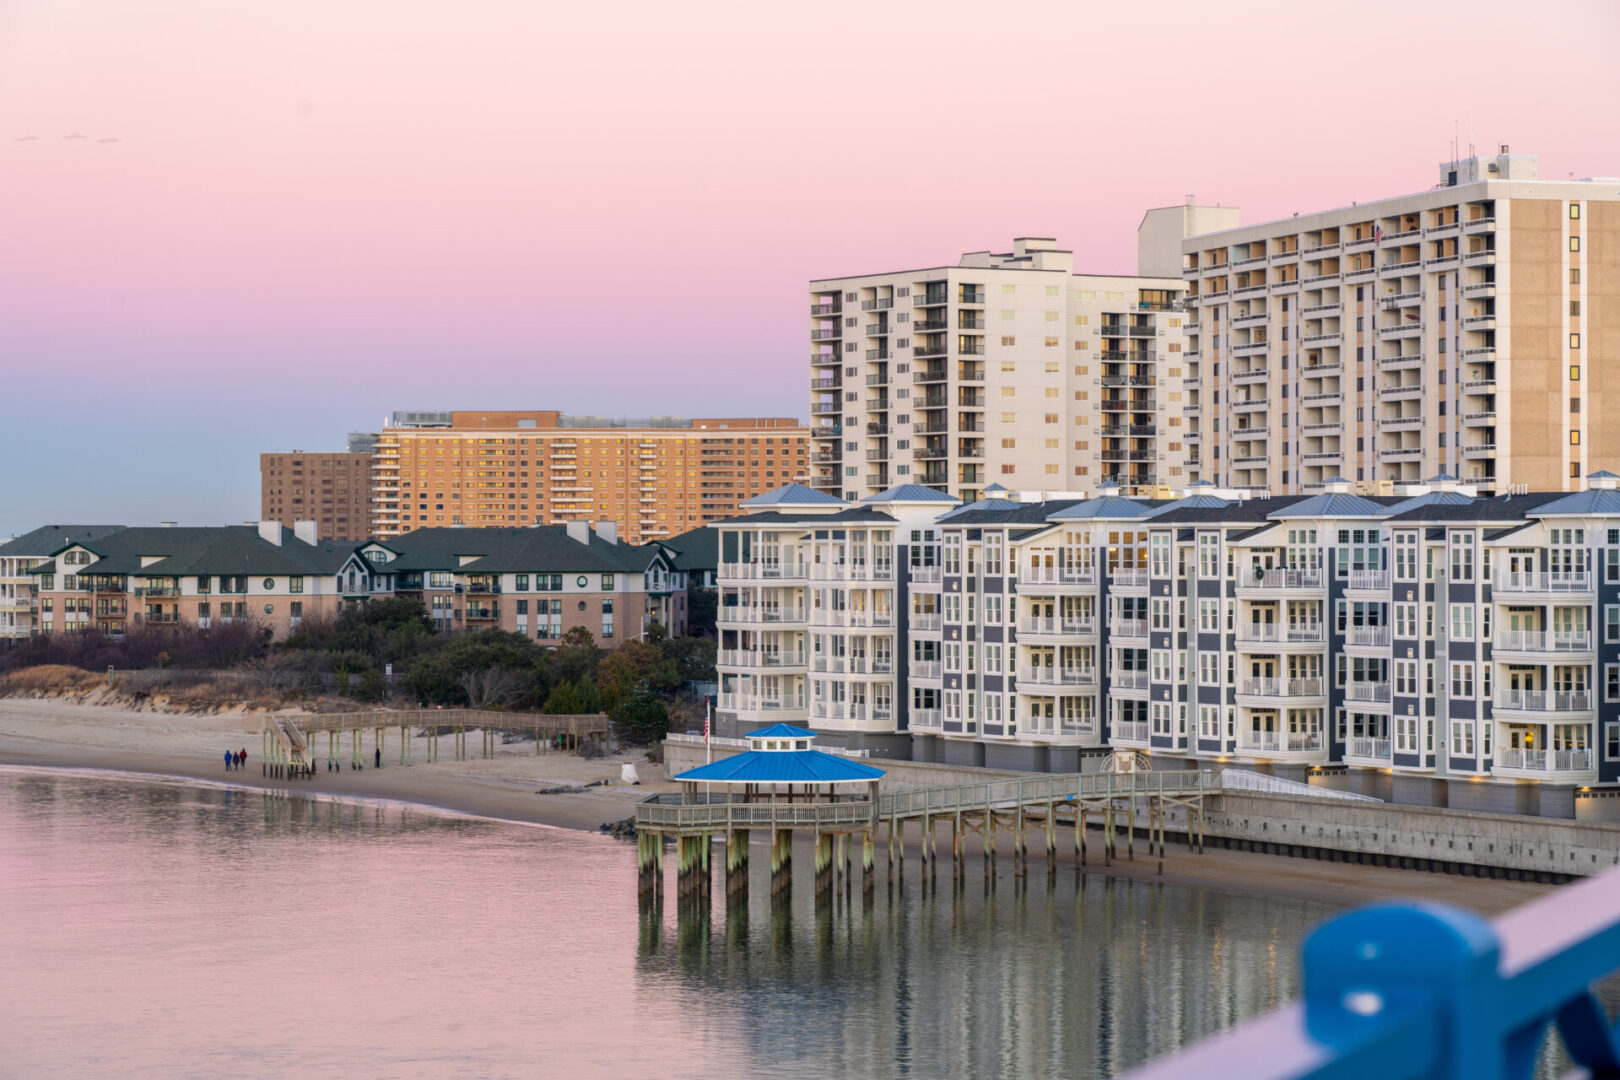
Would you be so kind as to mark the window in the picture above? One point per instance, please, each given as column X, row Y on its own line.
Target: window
column 607, row 585
column 1574, row 211
column 1462, row 557
column 1462, row 680
column 1574, row 243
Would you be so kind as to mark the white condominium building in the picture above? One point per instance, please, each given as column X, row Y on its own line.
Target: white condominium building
column 1005, row 368
column 1470, row 328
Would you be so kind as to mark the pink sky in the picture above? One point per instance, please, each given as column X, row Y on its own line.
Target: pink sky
column 318, row 212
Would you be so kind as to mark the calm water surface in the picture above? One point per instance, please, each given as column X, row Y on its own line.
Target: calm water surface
column 172, row 929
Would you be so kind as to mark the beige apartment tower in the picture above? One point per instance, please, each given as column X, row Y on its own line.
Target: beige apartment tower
column 653, row 477
column 1471, row 329
column 1005, row 369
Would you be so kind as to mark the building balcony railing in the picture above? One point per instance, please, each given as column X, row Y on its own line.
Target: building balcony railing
column 763, row 571
column 157, row 591
column 1367, row 635
column 1560, row 583
column 926, row 720
column 1125, row 579
column 1366, row 691
column 1129, row 679
column 760, row 658
column 749, row 615
column 1281, row 689
column 929, row 670
column 1543, row 641
column 1551, row 762
column 1369, row 580
column 1129, row 733
column 925, row 575
column 1056, row 575
column 1545, row 701
column 1037, row 626
column 1128, row 628
column 1282, row 580
column 1041, row 675
column 763, row 703
column 1274, row 742
column 1278, row 634
column 926, row 621
column 1364, row 749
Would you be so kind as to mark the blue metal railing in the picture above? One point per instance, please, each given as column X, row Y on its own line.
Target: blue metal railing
column 1431, row 991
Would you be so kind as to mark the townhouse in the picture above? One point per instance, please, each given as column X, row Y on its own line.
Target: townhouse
column 1432, row 646
column 202, row 576
column 541, row 581
column 19, row 602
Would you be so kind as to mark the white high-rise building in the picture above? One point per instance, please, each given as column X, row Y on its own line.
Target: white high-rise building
column 1005, row 368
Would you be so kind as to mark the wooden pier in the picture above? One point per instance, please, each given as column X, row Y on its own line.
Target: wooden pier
column 1035, row 811
column 289, row 751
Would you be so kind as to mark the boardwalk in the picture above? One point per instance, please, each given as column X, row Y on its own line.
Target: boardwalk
column 289, row 749
column 1029, row 810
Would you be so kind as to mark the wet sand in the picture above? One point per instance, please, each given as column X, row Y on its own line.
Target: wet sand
column 50, row 733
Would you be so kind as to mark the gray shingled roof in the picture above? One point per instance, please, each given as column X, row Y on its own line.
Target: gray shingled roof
column 792, row 495
column 696, row 549
column 213, row 549
column 529, row 549
column 1496, row 508
column 47, row 540
column 1593, row 502
column 1331, row 504
column 1108, row 506
column 910, row 493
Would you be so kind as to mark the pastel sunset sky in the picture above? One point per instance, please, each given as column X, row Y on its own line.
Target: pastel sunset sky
column 318, row 211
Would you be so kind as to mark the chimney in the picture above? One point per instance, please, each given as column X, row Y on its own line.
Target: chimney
column 307, row 531
column 1603, row 480
column 578, row 531
column 168, row 524
column 608, row 530
column 1336, row 485
column 270, row 531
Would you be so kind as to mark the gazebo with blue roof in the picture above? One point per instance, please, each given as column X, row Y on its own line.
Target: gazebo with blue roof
column 782, row 783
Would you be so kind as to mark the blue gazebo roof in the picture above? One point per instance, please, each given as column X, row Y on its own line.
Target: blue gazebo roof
column 782, row 765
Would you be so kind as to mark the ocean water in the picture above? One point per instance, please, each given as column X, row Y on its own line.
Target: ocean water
column 157, row 928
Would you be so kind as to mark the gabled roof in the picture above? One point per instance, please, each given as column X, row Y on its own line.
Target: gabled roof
column 1197, row 510
column 528, row 549
column 214, row 549
column 783, row 767
column 1329, row 505
column 1004, row 512
column 910, row 493
column 1496, row 508
column 1593, row 502
column 47, row 540
column 1433, row 498
column 794, row 494
column 1107, row 506
column 695, row 549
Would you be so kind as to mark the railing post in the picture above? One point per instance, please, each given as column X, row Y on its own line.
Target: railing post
column 1430, row 966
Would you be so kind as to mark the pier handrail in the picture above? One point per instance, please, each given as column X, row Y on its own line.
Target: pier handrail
column 1041, row 789
column 1432, row 991
column 580, row 723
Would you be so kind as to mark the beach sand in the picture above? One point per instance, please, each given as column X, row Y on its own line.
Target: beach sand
column 54, row 733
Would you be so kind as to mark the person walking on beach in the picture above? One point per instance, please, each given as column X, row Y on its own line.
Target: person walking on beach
column 379, row 757
column 228, row 756
column 241, row 759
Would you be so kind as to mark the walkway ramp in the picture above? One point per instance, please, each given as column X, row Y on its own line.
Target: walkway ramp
column 1244, row 780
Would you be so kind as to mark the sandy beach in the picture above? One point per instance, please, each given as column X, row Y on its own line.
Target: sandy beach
column 55, row 733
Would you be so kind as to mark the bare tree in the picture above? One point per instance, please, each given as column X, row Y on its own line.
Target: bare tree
column 489, row 687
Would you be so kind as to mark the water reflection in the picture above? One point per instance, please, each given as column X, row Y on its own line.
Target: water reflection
column 159, row 929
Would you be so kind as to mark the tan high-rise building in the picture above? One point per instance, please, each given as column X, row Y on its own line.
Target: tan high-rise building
column 1005, row 369
column 654, row 477
column 1470, row 329
column 331, row 489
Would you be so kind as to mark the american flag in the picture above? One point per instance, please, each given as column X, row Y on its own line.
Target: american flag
column 1378, row 232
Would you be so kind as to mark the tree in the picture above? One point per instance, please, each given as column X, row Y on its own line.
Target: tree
column 702, row 610
column 633, row 664
column 489, row 688
column 640, row 718
column 572, row 698
column 693, row 657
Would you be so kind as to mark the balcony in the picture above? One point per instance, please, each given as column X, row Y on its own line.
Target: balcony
column 926, row 720
column 774, row 660
column 818, row 311
column 1366, row 692
column 1376, row 637
column 1281, row 581
column 1129, row 733
column 773, row 570
column 779, row 703
column 1128, row 579
column 925, row 575
column 1279, row 691
column 1128, row 628
column 1277, row 742
column 926, row 671
column 155, row 592
column 1544, row 643
column 1541, row 583
column 1365, row 750
column 825, row 335
column 1549, row 704
column 1048, row 576
column 1068, row 626
column 1276, row 634
column 1055, row 676
column 1369, row 580
column 926, row 622
column 751, row 615
column 1129, row 679
column 1571, row 766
